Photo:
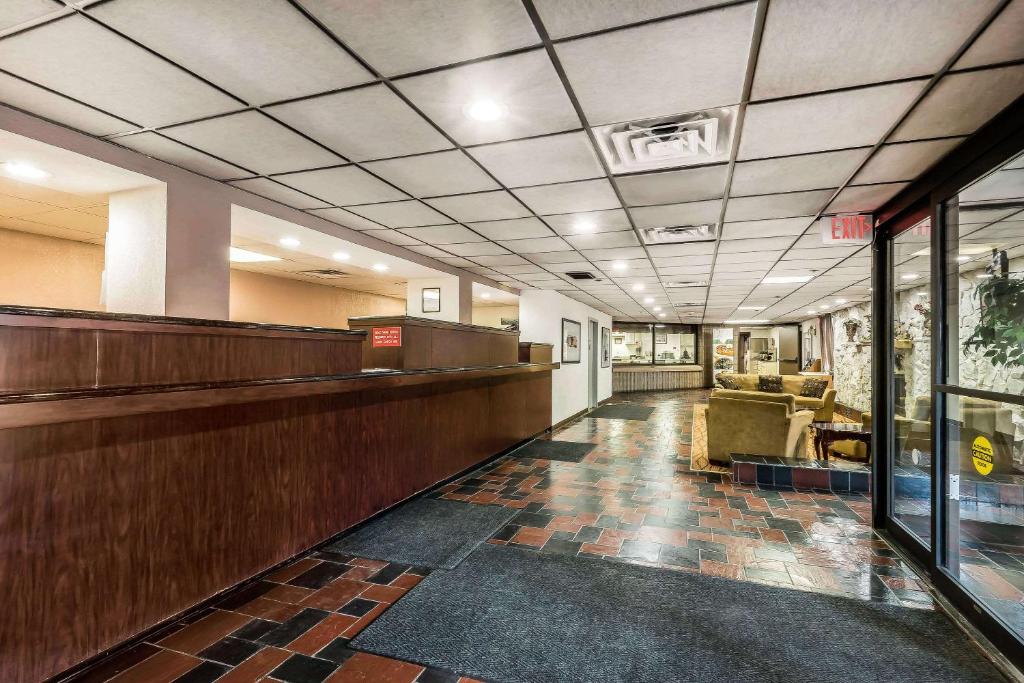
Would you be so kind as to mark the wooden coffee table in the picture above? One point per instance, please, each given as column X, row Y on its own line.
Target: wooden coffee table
column 827, row 433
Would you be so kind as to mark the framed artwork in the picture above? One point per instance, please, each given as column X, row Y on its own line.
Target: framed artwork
column 571, row 346
column 606, row 347
column 431, row 299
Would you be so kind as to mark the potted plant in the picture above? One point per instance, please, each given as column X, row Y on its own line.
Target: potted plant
column 999, row 333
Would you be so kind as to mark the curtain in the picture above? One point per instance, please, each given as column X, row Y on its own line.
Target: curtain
column 825, row 335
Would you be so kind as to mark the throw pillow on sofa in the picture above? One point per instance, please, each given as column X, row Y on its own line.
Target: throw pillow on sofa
column 728, row 382
column 814, row 388
column 770, row 384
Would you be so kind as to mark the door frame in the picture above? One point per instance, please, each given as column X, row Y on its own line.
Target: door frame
column 594, row 352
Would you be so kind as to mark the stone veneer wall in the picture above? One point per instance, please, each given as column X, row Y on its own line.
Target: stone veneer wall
column 851, row 361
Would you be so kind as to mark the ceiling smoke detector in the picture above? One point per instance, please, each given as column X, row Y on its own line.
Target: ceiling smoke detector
column 683, row 140
column 680, row 233
column 324, row 273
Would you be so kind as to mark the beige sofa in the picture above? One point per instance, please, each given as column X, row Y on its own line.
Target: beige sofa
column 756, row 423
column 823, row 407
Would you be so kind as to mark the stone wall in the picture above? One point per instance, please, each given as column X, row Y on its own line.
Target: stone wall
column 851, row 361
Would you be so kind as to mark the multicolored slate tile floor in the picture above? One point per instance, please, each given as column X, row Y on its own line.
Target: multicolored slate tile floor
column 633, row 498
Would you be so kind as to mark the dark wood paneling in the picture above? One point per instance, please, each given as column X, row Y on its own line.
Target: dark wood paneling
column 437, row 344
column 46, row 358
column 534, row 352
column 112, row 525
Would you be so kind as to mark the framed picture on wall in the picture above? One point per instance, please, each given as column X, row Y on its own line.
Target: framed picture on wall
column 606, row 347
column 571, row 341
column 431, row 299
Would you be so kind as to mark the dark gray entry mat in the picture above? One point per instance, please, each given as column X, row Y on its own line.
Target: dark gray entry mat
column 426, row 532
column 622, row 411
column 563, row 451
column 507, row 614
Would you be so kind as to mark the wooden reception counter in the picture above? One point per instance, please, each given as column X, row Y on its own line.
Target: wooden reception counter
column 408, row 343
column 147, row 464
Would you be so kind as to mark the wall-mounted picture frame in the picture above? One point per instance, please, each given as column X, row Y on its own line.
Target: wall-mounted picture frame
column 572, row 344
column 606, row 347
column 431, row 300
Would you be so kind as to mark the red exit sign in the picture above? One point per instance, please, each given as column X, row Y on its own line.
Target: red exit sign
column 385, row 336
column 853, row 228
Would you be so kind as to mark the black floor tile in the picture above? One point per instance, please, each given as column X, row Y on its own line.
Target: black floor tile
column 358, row 607
column 204, row 673
column 294, row 627
column 230, row 650
column 336, row 651
column 388, row 574
column 255, row 629
column 303, row 669
column 320, row 575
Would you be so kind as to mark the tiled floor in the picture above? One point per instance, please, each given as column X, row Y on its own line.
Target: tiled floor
column 633, row 499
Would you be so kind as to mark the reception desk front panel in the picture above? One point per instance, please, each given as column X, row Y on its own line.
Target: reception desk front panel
column 124, row 507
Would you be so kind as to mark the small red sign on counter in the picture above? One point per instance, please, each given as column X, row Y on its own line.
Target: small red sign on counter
column 385, row 336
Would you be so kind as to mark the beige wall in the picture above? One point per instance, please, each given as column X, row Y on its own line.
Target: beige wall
column 36, row 270
column 266, row 299
column 491, row 316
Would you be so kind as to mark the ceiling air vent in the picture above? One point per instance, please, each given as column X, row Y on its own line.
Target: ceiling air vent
column 324, row 273
column 581, row 275
column 669, row 141
column 687, row 283
column 680, row 233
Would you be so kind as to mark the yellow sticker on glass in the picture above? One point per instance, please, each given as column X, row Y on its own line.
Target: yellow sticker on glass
column 981, row 455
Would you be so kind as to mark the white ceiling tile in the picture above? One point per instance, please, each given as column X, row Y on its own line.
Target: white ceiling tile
column 483, row 206
column 615, row 254
column 798, row 49
column 536, row 245
column 864, row 197
column 1001, row 40
column 430, row 175
column 570, row 266
column 526, row 84
column 961, row 103
column 789, row 174
column 672, row 187
column 80, row 58
column 685, row 249
column 443, row 234
column 611, row 220
column 850, row 118
column 695, row 271
column 40, row 102
column 397, row 36
column 514, row 228
column 818, row 254
column 428, row 250
column 761, row 245
column 401, row 214
column 521, row 269
column 342, row 185
column 904, row 161
column 604, row 240
column 691, row 213
column 365, row 123
column 537, row 161
column 392, row 236
column 231, row 138
column 786, row 205
column 624, row 75
column 347, row 219
column 572, row 17
column 279, row 193
column 689, row 261
column 499, row 259
column 457, row 261
column 556, row 257
column 271, row 54
column 772, row 227
column 775, row 249
column 159, row 147
column 585, row 195
column 474, row 249
column 16, row 12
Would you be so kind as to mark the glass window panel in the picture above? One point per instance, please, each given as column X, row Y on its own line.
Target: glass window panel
column 675, row 344
column 632, row 344
column 912, row 379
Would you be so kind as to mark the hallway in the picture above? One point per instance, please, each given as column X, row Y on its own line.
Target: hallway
column 632, row 499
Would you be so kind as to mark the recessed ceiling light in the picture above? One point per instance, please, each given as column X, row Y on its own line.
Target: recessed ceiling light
column 909, row 276
column 289, row 242
column 17, row 169
column 747, row 322
column 962, row 259
column 661, row 315
column 785, row 279
column 840, row 301
column 244, row 256
column 823, row 306
column 620, row 265
column 812, row 312
column 585, row 225
column 485, row 295
column 380, row 267
column 656, row 309
column 638, row 287
column 341, row 256
column 750, row 308
column 648, row 299
column 485, row 110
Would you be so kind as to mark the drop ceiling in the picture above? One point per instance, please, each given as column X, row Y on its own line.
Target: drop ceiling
column 355, row 112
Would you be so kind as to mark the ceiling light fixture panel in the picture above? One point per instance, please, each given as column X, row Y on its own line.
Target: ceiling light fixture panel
column 702, row 137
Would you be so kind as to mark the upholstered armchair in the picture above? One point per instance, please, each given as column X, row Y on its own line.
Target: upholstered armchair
column 757, row 423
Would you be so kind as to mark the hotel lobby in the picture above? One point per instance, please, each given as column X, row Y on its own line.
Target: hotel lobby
column 511, row 340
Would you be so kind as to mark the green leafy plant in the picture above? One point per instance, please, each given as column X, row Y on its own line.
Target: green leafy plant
column 999, row 334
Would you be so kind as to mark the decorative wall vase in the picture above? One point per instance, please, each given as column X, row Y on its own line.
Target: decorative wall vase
column 851, row 326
